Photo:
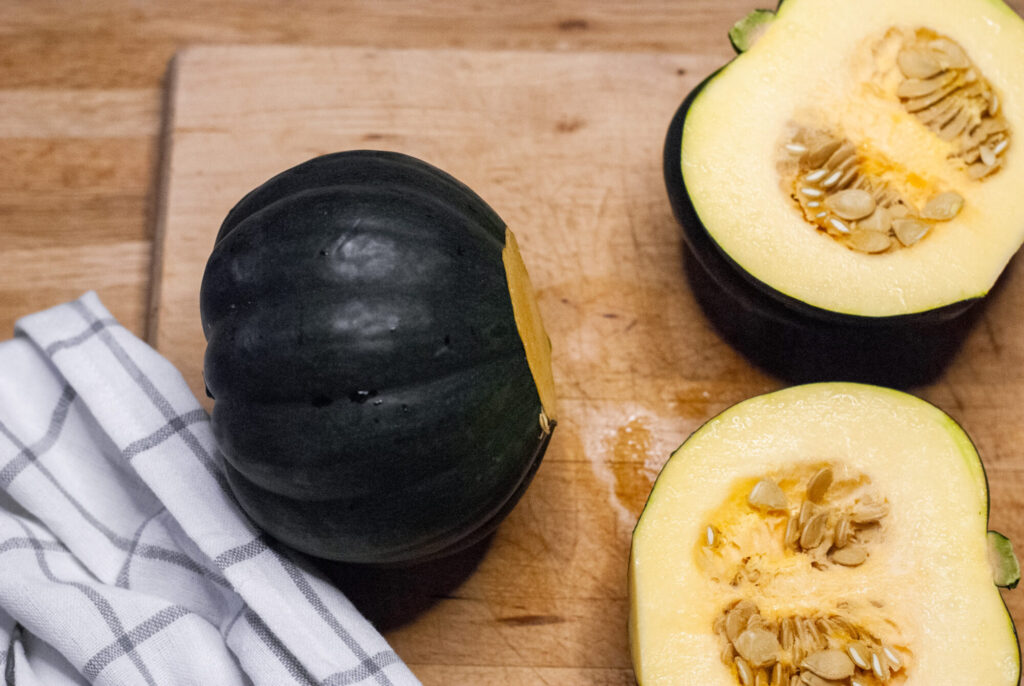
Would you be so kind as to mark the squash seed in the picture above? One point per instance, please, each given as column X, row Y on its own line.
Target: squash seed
column 792, row 532
column 778, row 676
column 868, row 512
column 917, row 64
column 864, row 240
column 914, row 88
column 893, row 657
column 851, row 204
column 818, row 155
column 950, row 54
column 728, row 653
column 909, row 231
column 814, row 531
column 879, row 220
column 843, row 533
column 850, row 556
column 766, row 495
column 744, row 673
column 859, row 654
column 879, row 666
column 786, row 633
column 812, row 679
column 736, row 620
column 819, row 484
column 829, row 664
column 761, row 679
column 760, row 648
column 947, row 205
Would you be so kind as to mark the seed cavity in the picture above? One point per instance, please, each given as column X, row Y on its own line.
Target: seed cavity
column 849, row 191
column 944, row 90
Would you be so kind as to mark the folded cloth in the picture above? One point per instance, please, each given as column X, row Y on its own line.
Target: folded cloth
column 123, row 557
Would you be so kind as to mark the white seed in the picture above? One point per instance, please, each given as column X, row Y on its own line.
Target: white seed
column 796, row 148
column 821, row 215
column 811, row 192
column 838, row 225
column 878, row 666
column 909, row 231
column 832, row 179
column 993, row 105
column 892, row 657
column 766, row 495
column 709, row 536
column 815, row 175
column 988, row 156
column 1000, row 146
column 814, row 203
column 858, row 655
column 851, row 204
column 947, row 205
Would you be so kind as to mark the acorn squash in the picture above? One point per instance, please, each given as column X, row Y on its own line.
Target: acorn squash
column 381, row 375
column 824, row 534
column 858, row 162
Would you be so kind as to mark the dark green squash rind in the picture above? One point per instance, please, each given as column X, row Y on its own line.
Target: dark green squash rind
column 320, row 408
column 742, row 285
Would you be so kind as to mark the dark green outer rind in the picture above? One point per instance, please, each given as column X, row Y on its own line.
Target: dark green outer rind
column 981, row 464
column 373, row 398
column 742, row 285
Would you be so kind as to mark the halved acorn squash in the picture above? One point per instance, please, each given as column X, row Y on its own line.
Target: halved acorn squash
column 824, row 534
column 859, row 162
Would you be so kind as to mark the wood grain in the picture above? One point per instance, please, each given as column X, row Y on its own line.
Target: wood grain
column 566, row 147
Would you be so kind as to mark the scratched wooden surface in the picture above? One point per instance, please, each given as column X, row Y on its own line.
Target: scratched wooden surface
column 566, row 147
column 81, row 108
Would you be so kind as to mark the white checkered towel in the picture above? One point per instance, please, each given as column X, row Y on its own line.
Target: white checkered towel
column 123, row 558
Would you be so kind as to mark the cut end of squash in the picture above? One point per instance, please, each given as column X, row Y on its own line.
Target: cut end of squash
column 1002, row 559
column 747, row 30
column 531, row 329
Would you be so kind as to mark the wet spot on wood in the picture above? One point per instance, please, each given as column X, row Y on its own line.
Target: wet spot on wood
column 531, row 620
column 569, row 125
column 573, row 25
column 631, row 450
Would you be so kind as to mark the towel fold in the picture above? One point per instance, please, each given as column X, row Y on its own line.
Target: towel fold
column 124, row 558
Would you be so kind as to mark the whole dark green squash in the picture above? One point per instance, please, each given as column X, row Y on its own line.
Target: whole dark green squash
column 381, row 377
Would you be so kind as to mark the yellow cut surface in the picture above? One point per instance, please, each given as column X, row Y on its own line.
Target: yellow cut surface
column 929, row 572
column 816, row 64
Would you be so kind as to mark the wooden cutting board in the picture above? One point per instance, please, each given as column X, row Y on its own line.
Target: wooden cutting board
column 567, row 148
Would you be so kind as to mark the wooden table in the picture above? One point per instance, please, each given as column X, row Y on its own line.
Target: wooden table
column 81, row 101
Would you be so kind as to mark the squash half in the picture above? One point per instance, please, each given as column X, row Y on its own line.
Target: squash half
column 922, row 595
column 833, row 68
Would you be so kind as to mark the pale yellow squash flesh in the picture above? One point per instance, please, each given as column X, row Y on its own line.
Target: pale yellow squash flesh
column 931, row 568
column 814, row 58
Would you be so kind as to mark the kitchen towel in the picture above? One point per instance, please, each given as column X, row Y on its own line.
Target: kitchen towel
column 124, row 558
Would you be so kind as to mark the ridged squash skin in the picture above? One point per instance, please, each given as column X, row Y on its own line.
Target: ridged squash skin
column 373, row 397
